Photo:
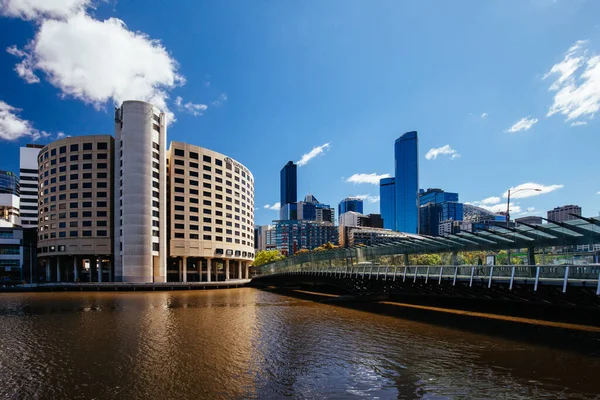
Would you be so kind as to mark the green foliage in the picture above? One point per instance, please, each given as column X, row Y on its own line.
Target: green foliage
column 267, row 256
column 425, row 259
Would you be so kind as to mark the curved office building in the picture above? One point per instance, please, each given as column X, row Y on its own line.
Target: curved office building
column 75, row 209
column 211, row 227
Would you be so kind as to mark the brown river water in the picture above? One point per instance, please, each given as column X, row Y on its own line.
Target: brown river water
column 246, row 343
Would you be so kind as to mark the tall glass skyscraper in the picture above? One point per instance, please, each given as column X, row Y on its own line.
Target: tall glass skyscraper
column 407, row 183
column 350, row 204
column 289, row 177
column 387, row 202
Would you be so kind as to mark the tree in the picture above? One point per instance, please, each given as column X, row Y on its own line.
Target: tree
column 425, row 259
column 326, row 246
column 301, row 251
column 267, row 256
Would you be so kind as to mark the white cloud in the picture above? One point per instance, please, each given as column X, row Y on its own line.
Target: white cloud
column 577, row 84
column 373, row 179
column 367, row 197
column 60, row 135
column 484, row 115
column 490, row 200
column 219, row 102
column 530, row 209
column 194, row 109
column 274, row 207
column 497, row 208
column 95, row 61
column 598, row 192
column 12, row 127
column 432, row 154
column 35, row 9
column 521, row 194
column 523, row 124
column 312, row 154
column 579, row 123
column 25, row 68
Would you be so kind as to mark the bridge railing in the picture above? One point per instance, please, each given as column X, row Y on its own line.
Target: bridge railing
column 552, row 274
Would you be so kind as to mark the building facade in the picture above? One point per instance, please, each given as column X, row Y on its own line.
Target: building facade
column 294, row 235
column 288, row 185
column 407, row 182
column 387, row 202
column 264, row 238
column 367, row 236
column 563, row 213
column 211, row 228
column 9, row 198
column 28, row 182
column 350, row 204
column 75, row 212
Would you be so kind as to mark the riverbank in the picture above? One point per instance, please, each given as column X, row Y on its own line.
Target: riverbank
column 123, row 287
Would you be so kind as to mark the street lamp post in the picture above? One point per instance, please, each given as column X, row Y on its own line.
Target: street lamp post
column 508, row 210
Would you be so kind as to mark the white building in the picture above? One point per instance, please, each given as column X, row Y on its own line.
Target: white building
column 28, row 174
column 140, row 193
column 265, row 238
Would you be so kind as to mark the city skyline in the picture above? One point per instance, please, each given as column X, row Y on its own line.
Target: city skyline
column 479, row 136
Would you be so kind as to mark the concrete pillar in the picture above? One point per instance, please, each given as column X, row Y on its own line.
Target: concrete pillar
column 75, row 269
column 110, row 277
column 226, row 270
column 48, row 270
column 531, row 256
column 239, row 263
column 92, row 262
column 99, row 268
column 184, row 273
column 208, row 269
column 247, row 266
column 57, row 269
column 405, row 259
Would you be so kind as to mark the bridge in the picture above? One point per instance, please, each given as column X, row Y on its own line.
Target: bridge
column 385, row 270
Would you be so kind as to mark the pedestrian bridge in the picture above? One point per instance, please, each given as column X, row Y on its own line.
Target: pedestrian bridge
column 386, row 269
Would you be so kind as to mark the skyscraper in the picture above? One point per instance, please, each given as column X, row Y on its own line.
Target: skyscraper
column 350, row 204
column 387, row 204
column 407, row 183
column 289, row 183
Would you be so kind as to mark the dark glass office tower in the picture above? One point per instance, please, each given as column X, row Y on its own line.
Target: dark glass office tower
column 407, row 183
column 350, row 204
column 387, row 202
column 289, row 192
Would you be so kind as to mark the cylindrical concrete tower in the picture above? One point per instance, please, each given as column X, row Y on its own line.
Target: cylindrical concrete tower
column 140, row 193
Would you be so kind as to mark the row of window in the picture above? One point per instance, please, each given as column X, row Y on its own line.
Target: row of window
column 194, row 174
column 73, row 147
column 73, row 157
column 75, row 177
column 195, row 236
column 73, row 234
column 208, row 159
column 84, row 204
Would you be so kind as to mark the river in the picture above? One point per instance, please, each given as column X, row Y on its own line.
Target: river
column 247, row 343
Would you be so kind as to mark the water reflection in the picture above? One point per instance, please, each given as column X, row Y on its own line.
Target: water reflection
column 244, row 343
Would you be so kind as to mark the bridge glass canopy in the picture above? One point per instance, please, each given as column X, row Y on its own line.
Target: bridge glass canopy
column 581, row 231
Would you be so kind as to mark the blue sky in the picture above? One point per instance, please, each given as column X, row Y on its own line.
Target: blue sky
column 511, row 88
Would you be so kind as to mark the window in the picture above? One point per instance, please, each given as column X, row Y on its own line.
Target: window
column 179, row 162
column 73, row 233
column 178, row 189
column 86, row 214
column 206, row 159
column 101, row 175
column 219, row 162
column 179, row 226
column 100, row 184
column 87, row 156
column 101, row 204
column 73, row 205
column 193, row 227
column 102, row 156
column 179, row 198
column 194, row 209
column 101, row 213
column 74, row 157
column 179, row 235
column 193, row 155
column 62, row 149
column 86, row 223
column 194, row 191
column 206, row 168
column 74, row 147
column 87, row 146
column 99, row 166
column 194, row 236
column 102, row 146
column 179, row 152
column 102, row 233
column 155, row 146
column 179, row 217
column 87, row 233
column 87, row 195
column 86, row 204
column 155, row 194
column 74, row 167
column 87, row 166
column 194, row 218
column 62, row 225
